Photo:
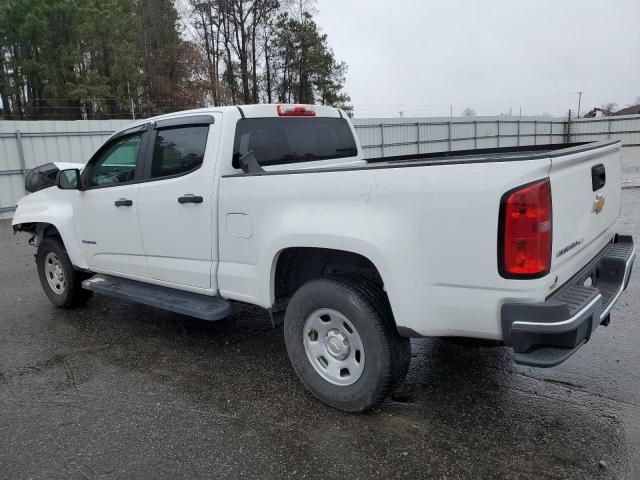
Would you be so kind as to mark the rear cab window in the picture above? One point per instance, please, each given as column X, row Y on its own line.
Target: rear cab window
column 278, row 141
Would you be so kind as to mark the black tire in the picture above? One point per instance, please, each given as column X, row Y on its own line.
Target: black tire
column 381, row 302
column 72, row 295
column 386, row 353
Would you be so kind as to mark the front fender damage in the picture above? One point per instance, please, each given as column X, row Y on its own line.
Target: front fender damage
column 36, row 230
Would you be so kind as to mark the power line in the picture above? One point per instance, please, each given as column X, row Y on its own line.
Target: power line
column 496, row 101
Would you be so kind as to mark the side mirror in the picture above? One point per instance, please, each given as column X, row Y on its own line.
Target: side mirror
column 68, row 179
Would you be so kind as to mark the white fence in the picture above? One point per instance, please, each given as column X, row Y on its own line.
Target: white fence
column 407, row 136
column 26, row 144
column 404, row 136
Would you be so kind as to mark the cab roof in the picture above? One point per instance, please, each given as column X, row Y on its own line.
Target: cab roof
column 245, row 111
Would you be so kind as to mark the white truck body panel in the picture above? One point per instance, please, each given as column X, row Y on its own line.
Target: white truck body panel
column 109, row 236
column 430, row 230
column 432, row 244
column 574, row 221
column 180, row 241
column 52, row 206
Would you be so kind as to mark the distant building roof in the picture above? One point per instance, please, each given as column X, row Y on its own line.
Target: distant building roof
column 632, row 110
column 598, row 112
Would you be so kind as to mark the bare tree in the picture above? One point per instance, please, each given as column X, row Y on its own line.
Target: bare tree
column 468, row 112
column 298, row 8
column 266, row 50
column 230, row 30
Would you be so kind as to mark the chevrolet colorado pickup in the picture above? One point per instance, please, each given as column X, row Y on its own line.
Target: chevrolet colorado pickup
column 276, row 206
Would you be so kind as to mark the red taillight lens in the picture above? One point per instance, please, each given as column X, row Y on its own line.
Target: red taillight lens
column 296, row 111
column 526, row 231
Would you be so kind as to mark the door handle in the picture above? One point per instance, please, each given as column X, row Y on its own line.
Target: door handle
column 123, row 202
column 190, row 198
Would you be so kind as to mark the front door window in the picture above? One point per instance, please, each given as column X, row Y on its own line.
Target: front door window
column 115, row 165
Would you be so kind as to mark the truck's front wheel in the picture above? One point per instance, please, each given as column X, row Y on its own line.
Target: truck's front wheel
column 343, row 344
column 59, row 280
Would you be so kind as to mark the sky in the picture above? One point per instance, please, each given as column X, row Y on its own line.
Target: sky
column 420, row 57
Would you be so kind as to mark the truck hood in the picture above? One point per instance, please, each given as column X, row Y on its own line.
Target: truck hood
column 66, row 165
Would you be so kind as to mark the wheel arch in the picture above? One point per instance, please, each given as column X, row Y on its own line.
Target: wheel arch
column 47, row 228
column 294, row 266
column 44, row 229
column 39, row 230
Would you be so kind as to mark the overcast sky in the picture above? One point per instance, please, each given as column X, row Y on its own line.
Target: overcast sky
column 420, row 56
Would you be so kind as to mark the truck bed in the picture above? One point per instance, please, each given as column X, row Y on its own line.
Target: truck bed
column 456, row 157
column 486, row 155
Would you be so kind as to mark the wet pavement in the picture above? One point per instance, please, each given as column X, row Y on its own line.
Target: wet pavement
column 118, row 390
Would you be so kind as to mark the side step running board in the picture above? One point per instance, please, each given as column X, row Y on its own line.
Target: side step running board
column 187, row 303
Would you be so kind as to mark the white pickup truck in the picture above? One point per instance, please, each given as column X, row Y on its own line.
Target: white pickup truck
column 276, row 206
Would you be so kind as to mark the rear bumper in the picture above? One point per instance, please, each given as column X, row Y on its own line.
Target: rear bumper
column 547, row 333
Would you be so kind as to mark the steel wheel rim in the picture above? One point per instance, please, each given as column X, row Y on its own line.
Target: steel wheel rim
column 333, row 347
column 54, row 272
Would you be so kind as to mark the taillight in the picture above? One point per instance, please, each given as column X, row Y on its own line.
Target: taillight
column 296, row 111
column 525, row 235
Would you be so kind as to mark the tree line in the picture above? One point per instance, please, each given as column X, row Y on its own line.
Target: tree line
column 72, row 59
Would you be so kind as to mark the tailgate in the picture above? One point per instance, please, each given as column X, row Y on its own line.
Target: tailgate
column 586, row 192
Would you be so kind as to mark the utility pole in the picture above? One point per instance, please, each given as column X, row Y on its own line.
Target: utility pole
column 579, row 101
column 133, row 111
column 450, row 111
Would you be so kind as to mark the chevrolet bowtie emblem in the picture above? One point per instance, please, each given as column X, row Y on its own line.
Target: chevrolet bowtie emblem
column 598, row 205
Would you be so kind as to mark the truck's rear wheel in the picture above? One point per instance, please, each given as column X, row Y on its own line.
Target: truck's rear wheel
column 343, row 344
column 59, row 280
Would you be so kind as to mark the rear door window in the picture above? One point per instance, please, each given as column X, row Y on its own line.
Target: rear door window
column 276, row 141
column 178, row 150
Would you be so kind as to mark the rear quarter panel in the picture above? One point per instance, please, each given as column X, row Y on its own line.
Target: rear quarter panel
column 431, row 231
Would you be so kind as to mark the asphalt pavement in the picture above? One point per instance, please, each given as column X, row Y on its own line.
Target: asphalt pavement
column 119, row 390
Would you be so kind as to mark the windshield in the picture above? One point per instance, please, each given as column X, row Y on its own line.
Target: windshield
column 276, row 141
